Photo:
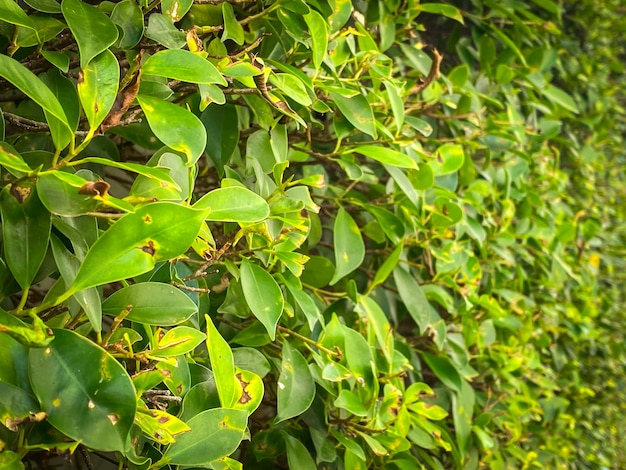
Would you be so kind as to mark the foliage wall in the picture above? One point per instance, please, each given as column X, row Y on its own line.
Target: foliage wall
column 312, row 234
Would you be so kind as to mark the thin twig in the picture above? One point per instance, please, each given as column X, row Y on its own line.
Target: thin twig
column 191, row 289
column 432, row 74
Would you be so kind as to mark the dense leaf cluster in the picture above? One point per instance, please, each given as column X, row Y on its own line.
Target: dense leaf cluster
column 312, row 233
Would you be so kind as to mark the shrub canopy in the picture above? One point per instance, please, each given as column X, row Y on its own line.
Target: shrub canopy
column 315, row 234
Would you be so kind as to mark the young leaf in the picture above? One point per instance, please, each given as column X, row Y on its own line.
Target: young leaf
column 84, row 20
column 97, row 87
column 214, row 434
column 176, row 127
column 318, row 28
column 349, row 246
column 11, row 159
column 262, row 294
column 25, row 231
column 414, row 299
column 85, row 392
column 232, row 28
column 155, row 232
column 296, row 388
column 152, row 303
column 182, row 65
column 234, row 204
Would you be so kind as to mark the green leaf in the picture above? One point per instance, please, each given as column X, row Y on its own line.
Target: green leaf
column 161, row 30
column 11, row 159
column 60, row 193
column 559, row 98
column 349, row 246
column 25, row 230
column 234, row 204
column 152, row 303
column 251, row 390
column 155, row 232
column 158, row 173
column 182, row 65
column 386, row 268
column 222, row 128
column 232, row 28
column 46, row 6
column 176, row 9
column 414, row 299
column 89, row 299
column 296, row 388
column 357, row 110
column 178, row 341
column 377, row 321
column 298, row 455
column 262, row 294
column 58, row 59
column 445, row 371
column 223, row 366
column 176, row 127
column 463, row 407
column 214, row 434
column 449, row 158
column 28, row 83
column 318, row 29
column 11, row 12
column 85, row 392
column 386, row 155
column 10, row 460
column 292, row 87
column 441, row 9
column 46, row 28
column 127, row 15
column 97, row 87
column 35, row 335
column 83, row 20
column 351, row 402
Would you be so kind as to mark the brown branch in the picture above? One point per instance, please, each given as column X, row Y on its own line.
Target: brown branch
column 432, row 74
column 24, row 123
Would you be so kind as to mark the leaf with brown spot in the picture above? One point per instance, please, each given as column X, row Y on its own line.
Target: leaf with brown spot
column 97, row 188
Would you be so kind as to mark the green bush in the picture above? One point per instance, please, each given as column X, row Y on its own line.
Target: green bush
column 312, row 234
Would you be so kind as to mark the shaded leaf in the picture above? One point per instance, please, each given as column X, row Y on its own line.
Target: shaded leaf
column 97, row 87
column 296, row 388
column 349, row 246
column 85, row 392
column 83, row 19
column 262, row 294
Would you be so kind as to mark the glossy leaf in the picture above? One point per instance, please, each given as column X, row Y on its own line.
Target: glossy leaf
column 223, row 366
column 68, row 265
column 155, row 232
column 11, row 13
column 357, row 110
column 232, row 29
column 318, row 29
column 73, row 374
column 445, row 371
column 176, row 127
column 298, row 455
column 349, row 246
column 152, row 303
column 97, row 87
column 161, row 30
column 295, row 387
column 214, row 434
column 28, row 83
column 385, row 155
column 413, row 297
column 11, row 160
column 263, row 295
column 182, row 65
column 252, row 390
column 83, row 19
column 448, row 160
column 234, row 204
column 178, row 341
column 160, row 426
column 221, row 124
column 25, row 230
column 127, row 15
